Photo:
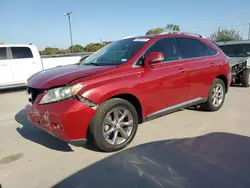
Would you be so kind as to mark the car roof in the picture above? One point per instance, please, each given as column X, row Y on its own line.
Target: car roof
column 16, row 45
column 165, row 34
column 234, row 42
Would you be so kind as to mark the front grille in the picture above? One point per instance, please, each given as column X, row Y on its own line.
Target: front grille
column 34, row 93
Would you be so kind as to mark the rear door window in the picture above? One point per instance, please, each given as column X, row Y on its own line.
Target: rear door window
column 21, row 52
column 192, row 48
column 168, row 46
column 3, row 53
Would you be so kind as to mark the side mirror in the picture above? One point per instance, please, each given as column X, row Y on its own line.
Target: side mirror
column 153, row 58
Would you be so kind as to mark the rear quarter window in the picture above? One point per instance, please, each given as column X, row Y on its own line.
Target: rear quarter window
column 21, row 52
column 210, row 51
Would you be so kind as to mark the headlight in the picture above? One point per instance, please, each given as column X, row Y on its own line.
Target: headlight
column 61, row 93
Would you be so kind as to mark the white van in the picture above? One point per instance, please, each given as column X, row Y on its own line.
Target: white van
column 17, row 64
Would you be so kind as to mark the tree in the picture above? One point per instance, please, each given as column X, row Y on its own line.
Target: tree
column 106, row 42
column 223, row 35
column 155, row 31
column 92, row 47
column 50, row 51
column 76, row 48
column 172, row 28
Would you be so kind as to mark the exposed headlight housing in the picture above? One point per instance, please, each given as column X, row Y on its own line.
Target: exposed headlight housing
column 60, row 93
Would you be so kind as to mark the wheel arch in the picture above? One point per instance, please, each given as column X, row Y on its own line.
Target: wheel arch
column 134, row 101
column 224, row 79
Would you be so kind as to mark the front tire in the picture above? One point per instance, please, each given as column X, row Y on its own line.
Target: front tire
column 216, row 96
column 245, row 80
column 114, row 125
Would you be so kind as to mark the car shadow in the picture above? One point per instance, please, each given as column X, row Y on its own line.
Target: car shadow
column 197, row 108
column 34, row 134
column 214, row 160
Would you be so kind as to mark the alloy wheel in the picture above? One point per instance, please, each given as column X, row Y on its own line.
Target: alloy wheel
column 217, row 95
column 118, row 126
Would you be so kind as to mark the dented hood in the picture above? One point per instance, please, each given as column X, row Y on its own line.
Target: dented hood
column 59, row 76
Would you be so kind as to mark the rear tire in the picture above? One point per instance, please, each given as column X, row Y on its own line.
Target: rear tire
column 114, row 125
column 216, row 96
column 245, row 78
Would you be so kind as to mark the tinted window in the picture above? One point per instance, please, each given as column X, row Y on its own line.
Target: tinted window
column 191, row 48
column 210, row 51
column 236, row 50
column 3, row 53
column 168, row 46
column 21, row 52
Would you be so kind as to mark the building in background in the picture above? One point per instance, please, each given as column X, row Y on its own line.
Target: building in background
column 1, row 42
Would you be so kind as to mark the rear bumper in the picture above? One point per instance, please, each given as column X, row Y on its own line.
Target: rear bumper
column 67, row 120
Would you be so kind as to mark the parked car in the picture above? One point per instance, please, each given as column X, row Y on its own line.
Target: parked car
column 126, row 83
column 239, row 54
column 19, row 62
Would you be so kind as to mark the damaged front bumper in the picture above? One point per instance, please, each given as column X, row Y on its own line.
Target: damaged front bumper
column 67, row 120
column 237, row 69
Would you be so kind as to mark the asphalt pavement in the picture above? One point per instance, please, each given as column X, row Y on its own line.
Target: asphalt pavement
column 188, row 148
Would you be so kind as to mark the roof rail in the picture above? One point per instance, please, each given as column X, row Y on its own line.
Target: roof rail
column 182, row 32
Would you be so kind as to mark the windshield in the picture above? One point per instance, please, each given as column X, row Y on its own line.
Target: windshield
column 116, row 53
column 236, row 50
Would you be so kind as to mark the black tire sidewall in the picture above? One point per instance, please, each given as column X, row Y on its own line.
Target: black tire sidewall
column 96, row 128
column 209, row 103
column 245, row 78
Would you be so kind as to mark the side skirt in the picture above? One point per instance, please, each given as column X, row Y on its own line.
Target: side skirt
column 174, row 108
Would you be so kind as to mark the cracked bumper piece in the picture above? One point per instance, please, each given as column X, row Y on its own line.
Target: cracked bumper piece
column 67, row 120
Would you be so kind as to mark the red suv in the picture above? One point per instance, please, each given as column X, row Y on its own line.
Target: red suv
column 130, row 81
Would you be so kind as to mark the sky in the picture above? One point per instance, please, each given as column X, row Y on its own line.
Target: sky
column 43, row 22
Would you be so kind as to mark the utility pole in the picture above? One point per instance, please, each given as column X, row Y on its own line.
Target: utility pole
column 70, row 31
column 249, row 31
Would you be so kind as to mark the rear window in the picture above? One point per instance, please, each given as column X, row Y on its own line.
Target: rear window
column 236, row 50
column 21, row 52
column 3, row 54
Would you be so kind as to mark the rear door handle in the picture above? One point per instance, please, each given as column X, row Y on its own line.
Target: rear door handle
column 212, row 64
column 3, row 65
column 181, row 70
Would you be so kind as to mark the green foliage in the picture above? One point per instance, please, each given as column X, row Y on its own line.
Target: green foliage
column 222, row 35
column 76, row 48
column 172, row 28
column 169, row 28
column 155, row 31
column 50, row 51
column 92, row 47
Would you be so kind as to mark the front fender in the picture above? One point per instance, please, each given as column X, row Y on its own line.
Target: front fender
column 100, row 95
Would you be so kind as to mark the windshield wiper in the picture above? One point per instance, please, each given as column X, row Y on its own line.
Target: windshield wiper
column 95, row 64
